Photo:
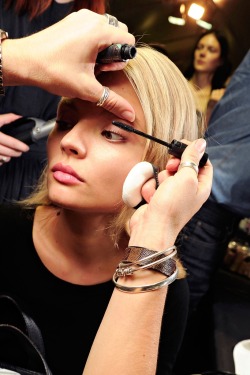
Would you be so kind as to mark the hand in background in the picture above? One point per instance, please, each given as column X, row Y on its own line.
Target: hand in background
column 9, row 146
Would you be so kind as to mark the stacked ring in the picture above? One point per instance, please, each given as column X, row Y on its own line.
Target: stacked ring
column 104, row 97
column 189, row 164
column 111, row 20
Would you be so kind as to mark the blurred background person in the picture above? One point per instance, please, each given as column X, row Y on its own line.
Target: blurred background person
column 205, row 238
column 209, row 71
column 21, row 165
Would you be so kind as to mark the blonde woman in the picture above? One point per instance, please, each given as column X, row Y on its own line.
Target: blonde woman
column 73, row 237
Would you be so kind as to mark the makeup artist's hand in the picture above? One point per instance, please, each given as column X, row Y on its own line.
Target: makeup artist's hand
column 179, row 196
column 61, row 59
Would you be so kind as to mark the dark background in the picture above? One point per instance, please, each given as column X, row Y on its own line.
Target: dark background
column 148, row 21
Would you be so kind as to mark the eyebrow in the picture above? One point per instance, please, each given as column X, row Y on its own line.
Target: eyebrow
column 66, row 103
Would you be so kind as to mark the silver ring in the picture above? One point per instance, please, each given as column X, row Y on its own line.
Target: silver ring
column 3, row 159
column 104, row 97
column 111, row 20
column 189, row 164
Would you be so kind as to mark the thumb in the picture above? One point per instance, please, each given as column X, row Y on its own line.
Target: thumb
column 116, row 104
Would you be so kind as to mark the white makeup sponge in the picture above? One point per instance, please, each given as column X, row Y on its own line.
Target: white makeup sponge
column 136, row 178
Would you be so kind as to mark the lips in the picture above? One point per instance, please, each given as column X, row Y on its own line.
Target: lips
column 66, row 174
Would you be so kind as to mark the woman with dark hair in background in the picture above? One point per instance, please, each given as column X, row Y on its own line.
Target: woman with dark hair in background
column 19, row 169
column 209, row 71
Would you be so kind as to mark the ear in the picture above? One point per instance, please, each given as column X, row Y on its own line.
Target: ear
column 136, row 178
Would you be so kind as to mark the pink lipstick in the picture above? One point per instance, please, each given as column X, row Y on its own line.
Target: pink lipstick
column 66, row 174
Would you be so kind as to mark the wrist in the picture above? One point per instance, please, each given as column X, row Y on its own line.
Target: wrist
column 156, row 237
column 16, row 66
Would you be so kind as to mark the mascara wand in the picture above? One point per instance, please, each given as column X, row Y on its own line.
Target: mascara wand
column 176, row 148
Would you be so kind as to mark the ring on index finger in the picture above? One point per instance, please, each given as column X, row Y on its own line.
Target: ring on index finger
column 104, row 97
column 111, row 20
column 189, row 164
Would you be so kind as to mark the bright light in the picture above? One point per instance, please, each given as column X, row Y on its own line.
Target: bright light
column 176, row 21
column 196, row 11
column 204, row 24
column 182, row 8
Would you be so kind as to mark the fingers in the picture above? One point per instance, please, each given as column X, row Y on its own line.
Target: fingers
column 11, row 147
column 6, row 118
column 117, row 105
column 4, row 159
column 201, row 182
column 189, row 180
column 192, row 156
column 113, row 21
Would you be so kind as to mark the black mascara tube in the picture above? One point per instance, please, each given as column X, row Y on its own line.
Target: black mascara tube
column 116, row 53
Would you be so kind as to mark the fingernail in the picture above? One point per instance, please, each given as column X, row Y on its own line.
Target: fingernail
column 171, row 162
column 129, row 116
column 200, row 145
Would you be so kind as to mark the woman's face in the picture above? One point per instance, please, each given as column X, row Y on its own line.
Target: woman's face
column 207, row 54
column 89, row 157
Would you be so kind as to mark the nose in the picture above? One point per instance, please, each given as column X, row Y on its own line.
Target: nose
column 202, row 52
column 73, row 143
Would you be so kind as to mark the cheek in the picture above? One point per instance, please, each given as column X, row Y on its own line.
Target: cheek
column 53, row 145
column 113, row 177
column 214, row 62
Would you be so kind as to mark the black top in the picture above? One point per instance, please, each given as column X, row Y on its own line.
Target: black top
column 69, row 314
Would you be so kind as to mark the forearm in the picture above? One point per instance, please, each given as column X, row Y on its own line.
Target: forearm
column 131, row 327
column 128, row 337
column 129, row 332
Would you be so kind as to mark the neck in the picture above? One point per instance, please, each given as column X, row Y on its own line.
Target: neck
column 77, row 247
column 202, row 80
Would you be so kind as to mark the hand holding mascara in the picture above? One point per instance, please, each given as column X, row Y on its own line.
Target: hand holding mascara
column 116, row 53
column 176, row 148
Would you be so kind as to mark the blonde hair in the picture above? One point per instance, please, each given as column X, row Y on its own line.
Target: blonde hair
column 169, row 109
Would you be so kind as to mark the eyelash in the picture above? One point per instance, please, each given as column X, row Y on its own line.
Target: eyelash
column 106, row 132
column 64, row 126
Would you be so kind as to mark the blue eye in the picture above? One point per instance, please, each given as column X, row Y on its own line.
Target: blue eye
column 112, row 136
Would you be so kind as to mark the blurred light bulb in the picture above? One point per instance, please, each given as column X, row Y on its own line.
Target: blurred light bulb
column 176, row 21
column 196, row 11
column 204, row 24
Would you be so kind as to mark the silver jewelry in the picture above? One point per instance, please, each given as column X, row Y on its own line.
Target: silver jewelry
column 111, row 20
column 104, row 97
column 3, row 159
column 137, row 253
column 139, row 258
column 3, row 35
column 147, row 287
column 189, row 164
